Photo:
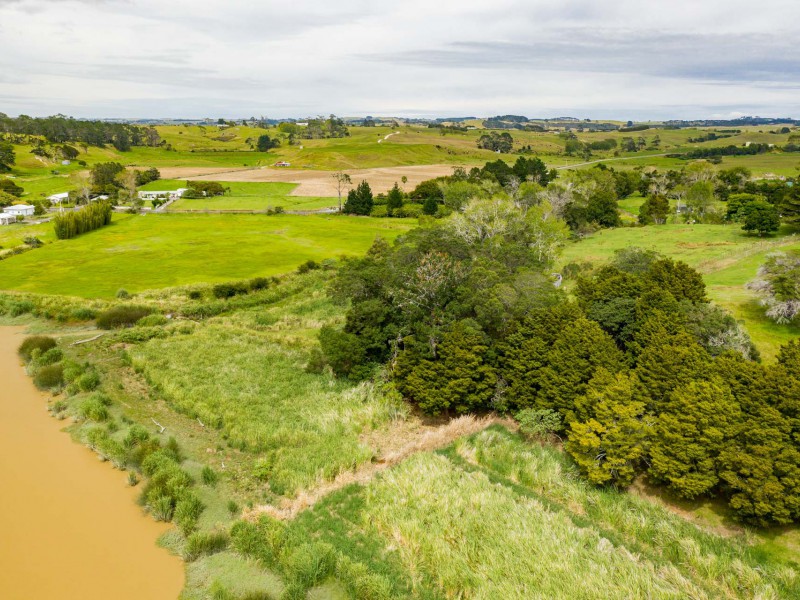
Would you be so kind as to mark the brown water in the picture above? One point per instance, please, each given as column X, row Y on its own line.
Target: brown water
column 69, row 527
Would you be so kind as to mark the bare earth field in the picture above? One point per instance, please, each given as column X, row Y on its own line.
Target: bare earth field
column 313, row 183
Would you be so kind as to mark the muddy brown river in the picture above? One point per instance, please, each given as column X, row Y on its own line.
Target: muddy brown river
column 69, row 525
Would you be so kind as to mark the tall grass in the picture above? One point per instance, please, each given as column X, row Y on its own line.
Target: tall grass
column 724, row 567
column 480, row 540
column 261, row 398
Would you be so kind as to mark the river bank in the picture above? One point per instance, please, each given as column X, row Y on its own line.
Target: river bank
column 70, row 526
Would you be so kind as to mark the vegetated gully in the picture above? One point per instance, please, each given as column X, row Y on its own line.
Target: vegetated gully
column 69, row 526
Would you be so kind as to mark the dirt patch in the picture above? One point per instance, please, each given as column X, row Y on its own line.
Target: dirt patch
column 194, row 172
column 392, row 446
column 313, row 182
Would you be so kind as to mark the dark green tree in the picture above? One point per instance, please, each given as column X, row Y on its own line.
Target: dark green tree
column 394, row 200
column 759, row 216
column 654, row 210
column 359, row 200
column 458, row 378
column 430, row 206
column 694, row 427
column 611, row 440
column 266, row 143
column 9, row 187
column 7, row 156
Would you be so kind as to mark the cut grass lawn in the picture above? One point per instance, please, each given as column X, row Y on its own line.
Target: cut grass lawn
column 152, row 251
column 726, row 257
column 244, row 196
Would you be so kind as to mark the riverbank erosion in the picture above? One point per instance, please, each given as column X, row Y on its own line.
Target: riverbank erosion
column 71, row 528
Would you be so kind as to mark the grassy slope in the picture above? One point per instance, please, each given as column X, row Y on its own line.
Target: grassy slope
column 726, row 256
column 143, row 252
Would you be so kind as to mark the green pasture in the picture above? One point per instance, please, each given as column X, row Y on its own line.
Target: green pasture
column 244, row 195
column 139, row 252
column 724, row 254
column 15, row 234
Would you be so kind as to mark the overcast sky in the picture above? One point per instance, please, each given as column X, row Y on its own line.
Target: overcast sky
column 624, row 59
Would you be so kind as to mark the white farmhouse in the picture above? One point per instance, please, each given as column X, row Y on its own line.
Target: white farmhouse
column 167, row 194
column 59, row 198
column 26, row 210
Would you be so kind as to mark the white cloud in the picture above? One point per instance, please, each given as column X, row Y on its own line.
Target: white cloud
column 620, row 58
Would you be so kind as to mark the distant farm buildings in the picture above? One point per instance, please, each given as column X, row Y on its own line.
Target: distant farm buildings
column 7, row 219
column 163, row 194
column 283, row 163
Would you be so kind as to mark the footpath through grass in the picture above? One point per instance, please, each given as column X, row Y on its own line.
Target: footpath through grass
column 140, row 252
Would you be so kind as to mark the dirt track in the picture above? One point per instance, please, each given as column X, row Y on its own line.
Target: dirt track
column 314, row 183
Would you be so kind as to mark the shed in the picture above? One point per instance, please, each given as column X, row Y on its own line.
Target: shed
column 7, row 219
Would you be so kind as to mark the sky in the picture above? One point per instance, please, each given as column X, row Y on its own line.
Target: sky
column 604, row 59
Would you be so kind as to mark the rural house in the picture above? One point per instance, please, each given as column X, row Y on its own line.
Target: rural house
column 168, row 194
column 25, row 210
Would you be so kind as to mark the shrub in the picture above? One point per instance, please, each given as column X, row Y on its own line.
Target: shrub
column 230, row 289
column 42, row 343
column 204, row 543
column 309, row 265
column 233, row 508
column 88, row 381
column 121, row 316
column 259, row 283
column 50, row 357
column 161, row 508
column 123, row 294
column 209, row 476
column 49, row 377
column 93, row 408
column 538, row 423
column 195, row 295
column 133, row 479
column 309, row 564
column 187, row 512
column 83, row 314
column 153, row 320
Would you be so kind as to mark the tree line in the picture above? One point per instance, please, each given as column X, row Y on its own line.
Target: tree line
column 73, row 223
column 640, row 373
column 59, row 129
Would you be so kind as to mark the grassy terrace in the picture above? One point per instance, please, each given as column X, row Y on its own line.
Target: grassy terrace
column 139, row 252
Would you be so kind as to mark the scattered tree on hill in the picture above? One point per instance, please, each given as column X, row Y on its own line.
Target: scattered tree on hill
column 265, row 143
column 359, row 200
column 343, row 182
column 496, row 142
